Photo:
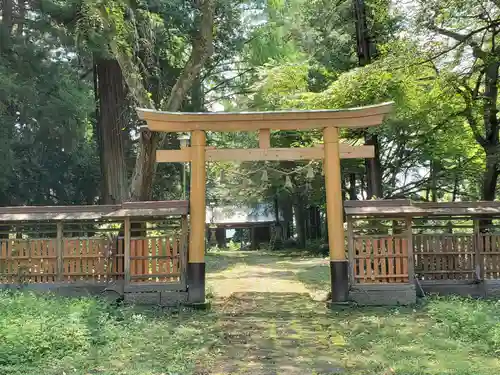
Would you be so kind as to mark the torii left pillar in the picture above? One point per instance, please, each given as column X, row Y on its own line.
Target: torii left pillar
column 339, row 266
column 196, row 254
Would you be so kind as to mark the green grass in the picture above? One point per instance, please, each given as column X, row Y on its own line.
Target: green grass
column 249, row 333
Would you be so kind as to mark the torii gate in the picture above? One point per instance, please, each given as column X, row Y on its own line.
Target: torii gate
column 262, row 122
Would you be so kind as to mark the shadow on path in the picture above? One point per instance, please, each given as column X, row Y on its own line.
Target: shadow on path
column 275, row 333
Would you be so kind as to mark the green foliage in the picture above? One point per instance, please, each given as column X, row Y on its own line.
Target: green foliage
column 52, row 335
column 468, row 320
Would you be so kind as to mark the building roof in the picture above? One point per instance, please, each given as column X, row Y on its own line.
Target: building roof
column 226, row 215
column 407, row 208
column 94, row 212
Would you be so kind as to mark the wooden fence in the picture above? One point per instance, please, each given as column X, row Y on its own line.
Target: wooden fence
column 380, row 259
column 444, row 256
column 66, row 256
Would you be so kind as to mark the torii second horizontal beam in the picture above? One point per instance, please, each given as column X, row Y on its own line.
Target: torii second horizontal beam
column 263, row 154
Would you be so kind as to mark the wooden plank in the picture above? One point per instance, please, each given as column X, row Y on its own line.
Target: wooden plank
column 264, row 138
column 184, row 249
column 139, row 263
column 52, row 269
column 120, row 258
column 84, row 257
column 493, row 248
column 283, row 120
column 175, row 255
column 376, row 259
column 383, row 260
column 168, row 253
column 184, row 155
column 350, row 250
column 262, row 117
column 368, row 252
column 155, row 243
column 397, row 254
column 145, row 261
column 390, row 256
column 141, row 276
column 133, row 263
column 127, row 250
column 4, row 263
column 404, row 253
column 397, row 276
column 59, row 251
column 359, row 270
column 410, row 257
column 451, row 258
column 151, row 287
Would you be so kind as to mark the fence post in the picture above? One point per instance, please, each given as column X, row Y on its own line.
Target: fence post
column 59, row 251
column 479, row 260
column 350, row 249
column 126, row 250
column 184, row 249
column 411, row 258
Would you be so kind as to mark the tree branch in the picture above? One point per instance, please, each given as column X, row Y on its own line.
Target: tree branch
column 466, row 39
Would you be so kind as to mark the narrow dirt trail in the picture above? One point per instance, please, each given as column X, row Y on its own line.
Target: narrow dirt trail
column 269, row 322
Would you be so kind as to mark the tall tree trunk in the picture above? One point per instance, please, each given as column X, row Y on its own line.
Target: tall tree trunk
column 300, row 219
column 373, row 169
column 6, row 25
column 365, row 50
column 111, row 129
column 434, row 171
column 21, row 5
column 353, row 194
column 202, row 49
column 490, row 176
column 286, row 206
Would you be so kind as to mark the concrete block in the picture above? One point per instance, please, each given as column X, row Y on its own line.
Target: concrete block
column 465, row 288
column 492, row 288
column 149, row 298
column 172, row 299
column 383, row 294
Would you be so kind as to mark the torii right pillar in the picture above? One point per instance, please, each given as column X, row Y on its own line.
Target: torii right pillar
column 339, row 265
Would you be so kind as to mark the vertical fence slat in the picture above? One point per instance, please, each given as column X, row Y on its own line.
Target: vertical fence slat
column 368, row 257
column 350, row 250
column 154, row 262
column 383, row 260
column 120, row 260
column 3, row 259
column 145, row 262
column 390, row 255
column 376, row 260
column 168, row 253
column 397, row 253
column 404, row 255
column 133, row 253
column 127, row 249
column 359, row 270
column 175, row 254
column 410, row 257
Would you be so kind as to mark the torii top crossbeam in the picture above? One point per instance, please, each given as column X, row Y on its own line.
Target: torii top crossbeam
column 361, row 117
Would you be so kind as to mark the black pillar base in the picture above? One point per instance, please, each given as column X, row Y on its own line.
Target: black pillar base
column 196, row 283
column 339, row 272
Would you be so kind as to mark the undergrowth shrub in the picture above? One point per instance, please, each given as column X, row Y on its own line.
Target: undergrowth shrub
column 37, row 327
column 468, row 319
